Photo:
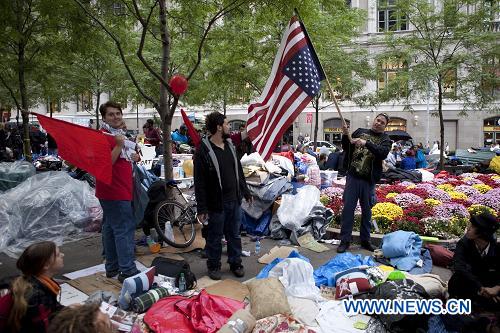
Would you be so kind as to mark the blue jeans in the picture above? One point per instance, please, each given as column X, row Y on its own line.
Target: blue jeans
column 118, row 230
column 364, row 191
column 225, row 223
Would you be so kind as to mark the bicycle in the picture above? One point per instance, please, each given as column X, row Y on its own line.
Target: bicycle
column 175, row 219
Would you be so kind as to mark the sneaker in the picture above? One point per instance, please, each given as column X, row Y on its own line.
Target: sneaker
column 343, row 247
column 111, row 274
column 238, row 271
column 123, row 276
column 215, row 274
column 367, row 246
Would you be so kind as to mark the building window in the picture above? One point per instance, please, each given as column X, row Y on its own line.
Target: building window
column 450, row 84
column 390, row 18
column 396, row 124
column 491, row 75
column 491, row 130
column 234, row 125
column 86, row 102
column 388, row 72
column 332, row 130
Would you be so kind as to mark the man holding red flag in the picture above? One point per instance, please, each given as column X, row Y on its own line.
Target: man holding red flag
column 116, row 198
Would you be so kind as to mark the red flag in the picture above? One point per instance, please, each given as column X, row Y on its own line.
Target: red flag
column 193, row 133
column 295, row 79
column 83, row 147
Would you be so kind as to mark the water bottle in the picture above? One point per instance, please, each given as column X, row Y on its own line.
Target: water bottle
column 182, row 283
column 257, row 246
column 168, row 231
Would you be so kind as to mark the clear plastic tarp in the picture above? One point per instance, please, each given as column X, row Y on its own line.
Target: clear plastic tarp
column 47, row 206
column 14, row 173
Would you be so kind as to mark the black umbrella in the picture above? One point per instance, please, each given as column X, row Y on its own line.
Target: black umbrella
column 398, row 135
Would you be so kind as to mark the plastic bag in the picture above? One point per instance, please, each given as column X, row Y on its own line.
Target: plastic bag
column 325, row 275
column 264, row 273
column 252, row 159
column 295, row 209
column 13, row 174
column 48, row 206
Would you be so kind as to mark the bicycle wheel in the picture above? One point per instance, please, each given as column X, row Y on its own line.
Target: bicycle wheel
column 182, row 220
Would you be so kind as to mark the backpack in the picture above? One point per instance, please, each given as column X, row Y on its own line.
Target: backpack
column 174, row 268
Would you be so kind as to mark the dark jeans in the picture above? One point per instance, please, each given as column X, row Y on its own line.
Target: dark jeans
column 225, row 223
column 118, row 230
column 364, row 191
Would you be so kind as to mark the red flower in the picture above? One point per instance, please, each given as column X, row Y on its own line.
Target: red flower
column 418, row 211
column 418, row 191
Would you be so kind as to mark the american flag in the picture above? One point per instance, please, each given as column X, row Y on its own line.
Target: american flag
column 295, row 79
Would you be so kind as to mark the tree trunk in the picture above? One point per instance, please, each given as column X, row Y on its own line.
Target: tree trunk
column 24, row 103
column 441, row 122
column 51, row 109
column 166, row 110
column 98, row 101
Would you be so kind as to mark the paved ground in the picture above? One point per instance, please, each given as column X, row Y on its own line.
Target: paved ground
column 87, row 252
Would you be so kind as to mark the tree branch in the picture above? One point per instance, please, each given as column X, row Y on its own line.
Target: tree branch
column 122, row 55
column 232, row 6
column 11, row 92
column 145, row 24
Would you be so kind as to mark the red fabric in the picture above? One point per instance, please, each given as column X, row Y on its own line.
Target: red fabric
column 288, row 154
column 6, row 303
column 193, row 134
column 81, row 146
column 121, row 183
column 203, row 313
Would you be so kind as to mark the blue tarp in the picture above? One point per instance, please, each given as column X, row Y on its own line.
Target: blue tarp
column 258, row 226
column 325, row 275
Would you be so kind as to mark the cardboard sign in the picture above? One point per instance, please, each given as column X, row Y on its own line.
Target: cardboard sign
column 230, row 289
column 276, row 252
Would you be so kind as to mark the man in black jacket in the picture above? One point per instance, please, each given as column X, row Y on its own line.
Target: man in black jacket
column 219, row 188
column 476, row 264
column 363, row 158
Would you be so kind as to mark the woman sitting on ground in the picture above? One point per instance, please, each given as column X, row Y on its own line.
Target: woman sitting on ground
column 34, row 293
column 409, row 163
column 81, row 319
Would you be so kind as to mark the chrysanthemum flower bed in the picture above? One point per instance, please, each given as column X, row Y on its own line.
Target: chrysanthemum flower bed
column 440, row 208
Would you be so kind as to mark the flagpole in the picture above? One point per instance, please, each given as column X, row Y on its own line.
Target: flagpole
column 326, row 77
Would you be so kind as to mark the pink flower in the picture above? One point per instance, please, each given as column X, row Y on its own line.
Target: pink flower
column 408, row 199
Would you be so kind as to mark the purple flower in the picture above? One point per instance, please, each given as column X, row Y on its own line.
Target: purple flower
column 473, row 181
column 448, row 210
column 439, row 195
column 467, row 190
column 492, row 199
column 408, row 199
column 439, row 181
column 426, row 186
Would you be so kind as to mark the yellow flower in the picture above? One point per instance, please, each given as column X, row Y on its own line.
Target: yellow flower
column 483, row 188
column 391, row 195
column 467, row 178
column 387, row 210
column 457, row 195
column 495, row 177
column 445, row 187
column 477, row 209
column 409, row 187
column 432, row 202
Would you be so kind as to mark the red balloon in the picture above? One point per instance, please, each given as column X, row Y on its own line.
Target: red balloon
column 179, row 84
